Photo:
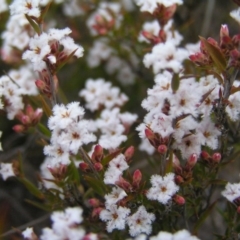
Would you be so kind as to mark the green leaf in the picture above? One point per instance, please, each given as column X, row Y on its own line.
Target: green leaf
column 73, row 173
column 32, row 188
column 96, row 185
column 216, row 55
column 39, row 205
column 44, row 11
column 204, row 215
column 45, row 106
column 175, row 82
column 34, row 25
column 44, row 130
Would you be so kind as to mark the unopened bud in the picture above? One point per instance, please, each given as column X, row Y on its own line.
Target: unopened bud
column 19, row 128
column 96, row 211
column 205, row 155
column 83, row 166
column 238, row 210
column 129, row 153
column 25, row 120
column 179, row 179
column 98, row 166
column 179, row 200
column 40, row 84
column 224, row 30
column 137, row 177
column 97, row 155
column 149, row 134
column 216, row 157
column 94, row 202
column 58, row 172
column 192, row 160
column 162, row 149
column 124, row 184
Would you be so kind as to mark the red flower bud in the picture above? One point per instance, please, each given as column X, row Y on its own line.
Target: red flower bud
column 97, row 155
column 179, row 179
column 216, row 157
column 179, row 200
column 162, row 148
column 129, row 153
column 205, row 155
column 192, row 160
column 84, row 166
column 94, row 202
column 19, row 128
column 137, row 177
column 98, row 166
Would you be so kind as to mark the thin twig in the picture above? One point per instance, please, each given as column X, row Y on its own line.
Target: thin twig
column 23, row 227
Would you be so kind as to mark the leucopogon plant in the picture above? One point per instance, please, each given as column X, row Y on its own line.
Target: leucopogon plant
column 94, row 179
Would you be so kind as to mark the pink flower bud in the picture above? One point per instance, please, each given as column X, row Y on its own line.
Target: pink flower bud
column 205, row 155
column 97, row 155
column 162, row 148
column 179, row 179
column 129, row 153
column 26, row 120
column 238, row 210
column 29, row 110
column 96, row 211
column 40, row 84
column 98, row 166
column 224, row 30
column 179, row 200
column 149, row 134
column 192, row 160
column 84, row 166
column 216, row 157
column 125, row 185
column 94, row 202
column 137, row 177
column 19, row 128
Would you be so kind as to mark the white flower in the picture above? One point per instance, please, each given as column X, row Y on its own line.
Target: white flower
column 140, row 222
column 151, row 5
column 163, row 188
column 3, row 6
column 28, row 233
column 6, row 170
column 208, row 133
column 180, row 235
column 231, row 191
column 115, row 217
column 113, row 197
column 164, row 56
column 28, row 7
column 235, row 14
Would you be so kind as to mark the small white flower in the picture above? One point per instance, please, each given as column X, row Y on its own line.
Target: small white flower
column 231, row 191
column 113, row 197
column 140, row 222
column 115, row 217
column 163, row 188
column 6, row 170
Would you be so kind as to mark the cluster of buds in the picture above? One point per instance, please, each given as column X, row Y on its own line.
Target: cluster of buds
column 156, row 140
column 28, row 119
column 184, row 174
column 103, row 25
column 226, row 50
column 163, row 13
column 132, row 186
column 211, row 160
column 97, row 157
column 97, row 207
column 58, row 172
column 161, row 37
